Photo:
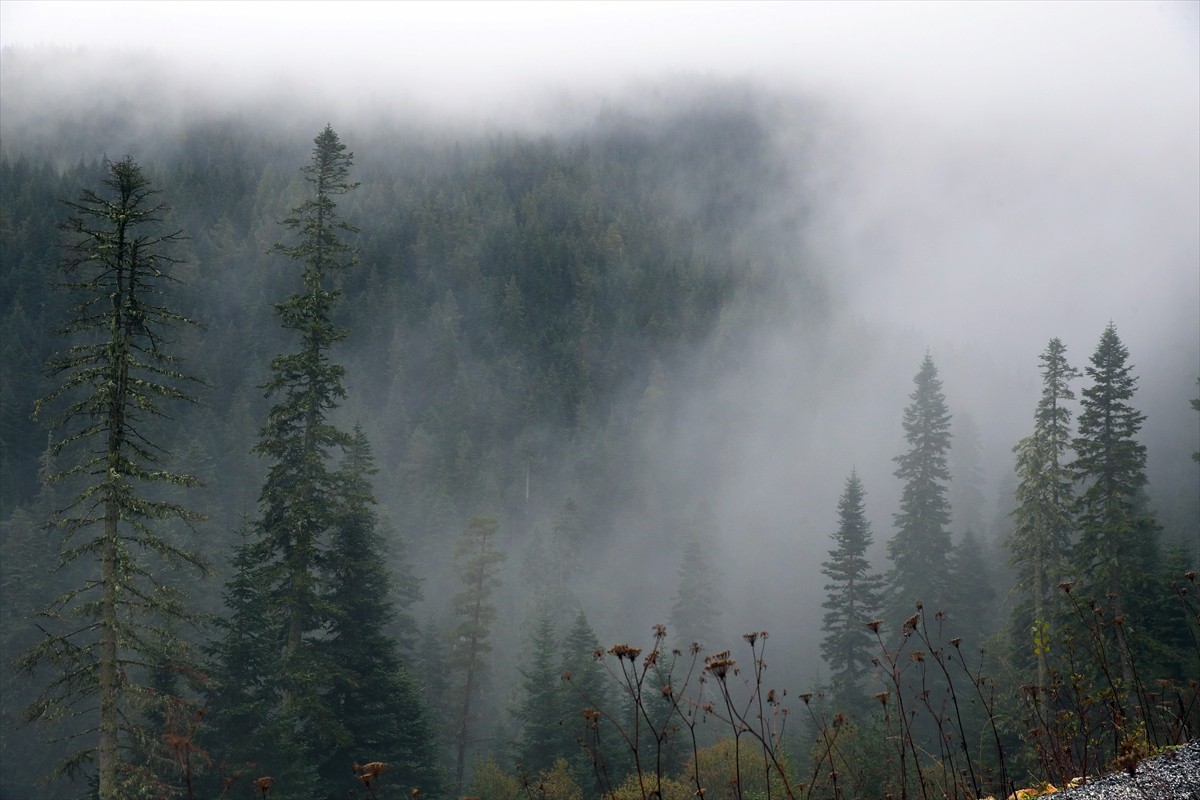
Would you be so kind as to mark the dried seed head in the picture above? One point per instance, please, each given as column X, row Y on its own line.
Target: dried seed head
column 372, row 769
column 625, row 651
column 882, row 697
column 719, row 664
column 1066, row 586
column 874, row 624
column 910, row 624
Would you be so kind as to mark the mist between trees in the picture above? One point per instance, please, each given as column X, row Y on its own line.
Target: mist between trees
column 458, row 420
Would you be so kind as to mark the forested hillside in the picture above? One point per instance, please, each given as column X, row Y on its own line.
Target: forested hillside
column 595, row 378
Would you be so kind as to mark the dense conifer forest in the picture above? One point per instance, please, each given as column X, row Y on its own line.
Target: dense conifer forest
column 371, row 456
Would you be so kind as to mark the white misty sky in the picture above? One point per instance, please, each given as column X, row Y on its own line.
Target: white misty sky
column 987, row 174
column 1016, row 161
column 456, row 49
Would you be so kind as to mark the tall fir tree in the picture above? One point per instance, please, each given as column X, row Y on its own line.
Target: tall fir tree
column 377, row 709
column 115, row 379
column 1118, row 543
column 585, row 686
column 1110, row 466
column 1040, row 540
column 852, row 600
column 430, row 665
column 479, row 563
column 920, row 548
column 306, row 678
column 542, row 726
column 695, row 609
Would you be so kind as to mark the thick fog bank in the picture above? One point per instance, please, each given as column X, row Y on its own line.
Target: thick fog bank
column 966, row 181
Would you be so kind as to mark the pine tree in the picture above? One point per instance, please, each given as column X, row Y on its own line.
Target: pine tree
column 852, row 600
column 282, row 612
column 585, row 686
column 298, row 499
column 542, row 731
column 1118, row 537
column 432, row 658
column 1110, row 465
column 478, row 564
column 919, row 550
column 378, row 714
column 1040, row 538
column 115, row 381
column 695, row 610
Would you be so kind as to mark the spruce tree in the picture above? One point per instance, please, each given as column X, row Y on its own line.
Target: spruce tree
column 695, row 610
column 920, row 548
column 1110, row 465
column 115, row 381
column 430, row 666
column 1040, row 540
column 542, row 731
column 1115, row 556
column 585, row 686
column 852, row 600
column 306, row 680
column 377, row 709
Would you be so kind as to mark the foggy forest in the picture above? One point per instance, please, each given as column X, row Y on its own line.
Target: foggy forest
column 650, row 413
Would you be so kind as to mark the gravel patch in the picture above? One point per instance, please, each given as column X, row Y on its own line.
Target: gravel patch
column 1172, row 776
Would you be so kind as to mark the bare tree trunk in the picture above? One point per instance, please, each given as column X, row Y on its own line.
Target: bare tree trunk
column 463, row 722
column 1039, row 619
column 107, row 751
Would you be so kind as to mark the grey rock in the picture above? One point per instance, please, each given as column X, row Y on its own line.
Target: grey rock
column 1172, row 776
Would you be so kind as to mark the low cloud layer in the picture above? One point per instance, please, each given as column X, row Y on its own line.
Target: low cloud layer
column 977, row 178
